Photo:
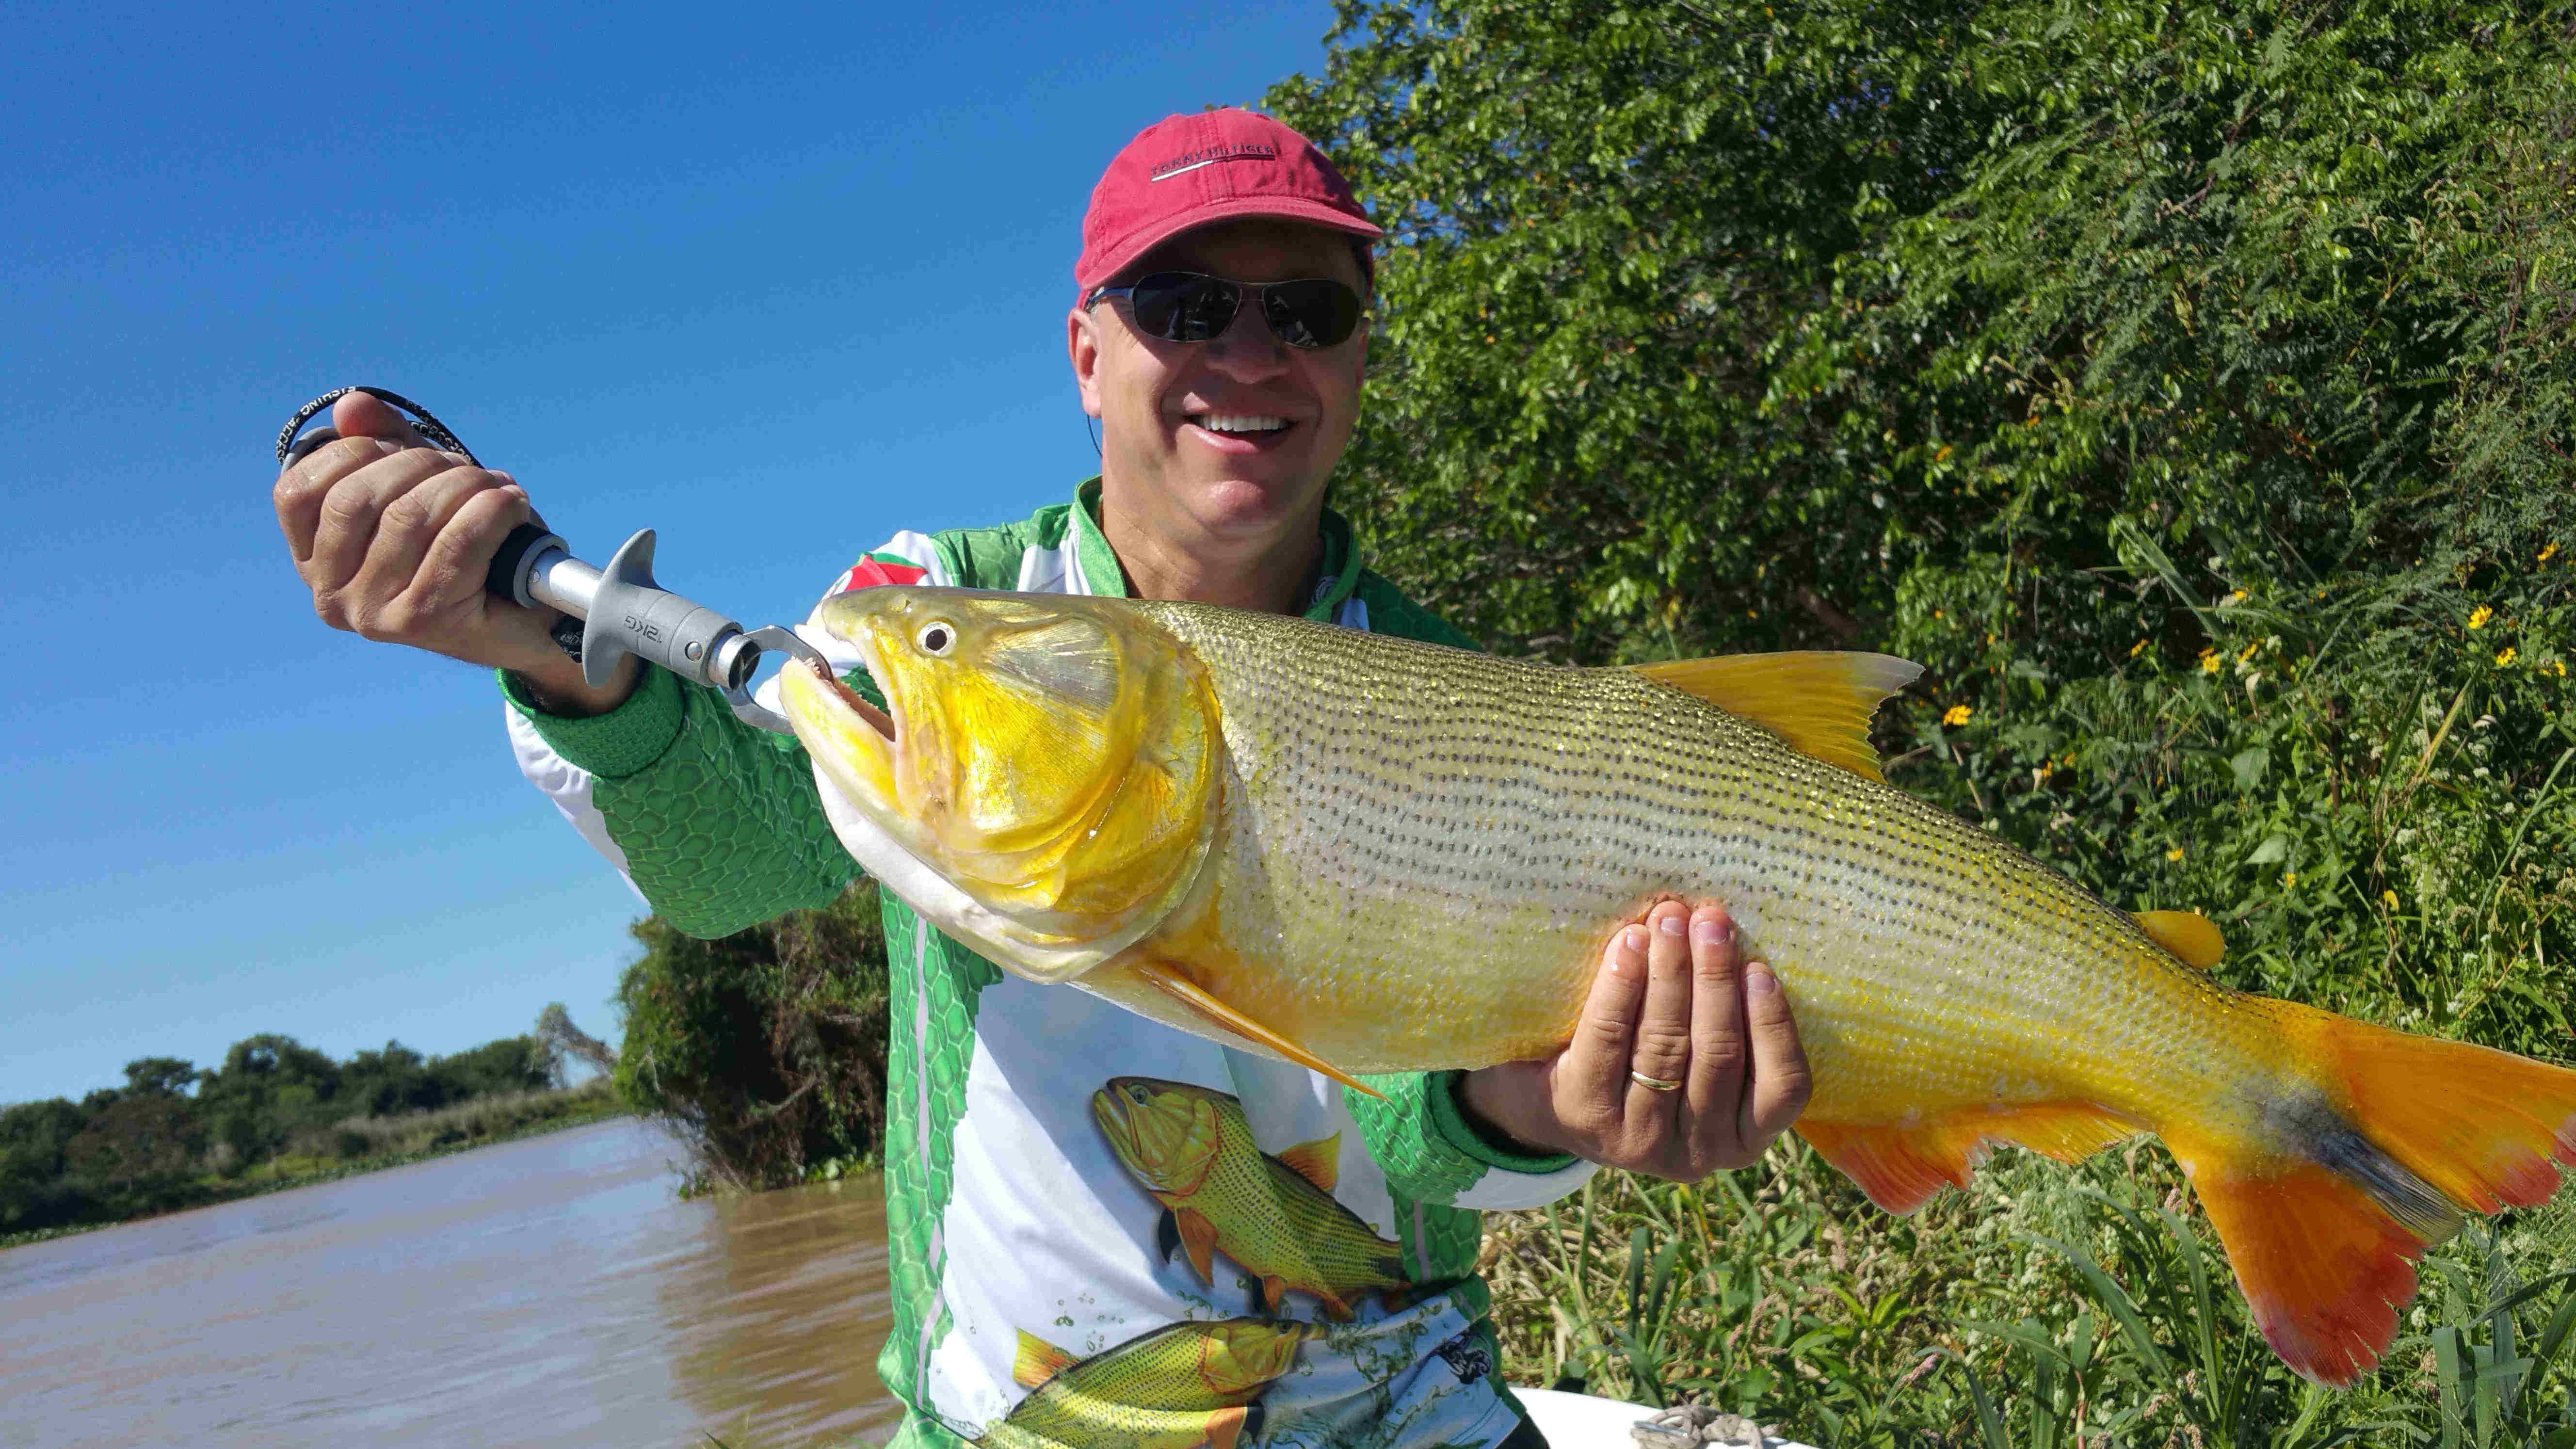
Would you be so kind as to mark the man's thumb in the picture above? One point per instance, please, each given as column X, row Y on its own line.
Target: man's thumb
column 361, row 416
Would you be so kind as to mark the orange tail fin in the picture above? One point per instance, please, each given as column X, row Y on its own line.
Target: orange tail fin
column 2394, row 1139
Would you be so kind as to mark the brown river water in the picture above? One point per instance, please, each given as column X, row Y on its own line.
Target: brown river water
column 551, row 1291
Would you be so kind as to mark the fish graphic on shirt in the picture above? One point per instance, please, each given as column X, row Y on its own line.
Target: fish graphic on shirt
column 1192, row 1148
column 1178, row 1387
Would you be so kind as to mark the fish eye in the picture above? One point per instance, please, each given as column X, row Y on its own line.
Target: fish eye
column 1136, row 1093
column 936, row 638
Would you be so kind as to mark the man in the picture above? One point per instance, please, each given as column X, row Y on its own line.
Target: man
column 1103, row 1230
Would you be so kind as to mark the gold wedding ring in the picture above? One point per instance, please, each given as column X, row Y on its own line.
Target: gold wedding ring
column 1653, row 1084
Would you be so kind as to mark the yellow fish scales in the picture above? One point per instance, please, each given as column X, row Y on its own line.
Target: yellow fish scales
column 1175, row 1387
column 1368, row 854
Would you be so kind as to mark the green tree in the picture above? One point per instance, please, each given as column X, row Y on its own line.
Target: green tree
column 2192, row 387
column 764, row 1049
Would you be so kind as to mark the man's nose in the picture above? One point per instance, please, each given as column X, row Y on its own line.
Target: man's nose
column 1248, row 351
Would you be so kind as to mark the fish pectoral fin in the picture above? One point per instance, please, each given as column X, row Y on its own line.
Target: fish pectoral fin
column 1319, row 1161
column 1037, row 1361
column 1820, row 702
column 1274, row 1291
column 1198, row 1238
column 1900, row 1167
column 2193, row 938
column 1226, row 1426
column 1216, row 1013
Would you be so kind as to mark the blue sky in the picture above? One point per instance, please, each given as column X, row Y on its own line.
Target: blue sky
column 772, row 283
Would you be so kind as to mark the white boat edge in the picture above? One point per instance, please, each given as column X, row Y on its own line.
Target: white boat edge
column 1581, row 1421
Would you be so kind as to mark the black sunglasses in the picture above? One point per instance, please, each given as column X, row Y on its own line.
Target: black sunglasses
column 1188, row 307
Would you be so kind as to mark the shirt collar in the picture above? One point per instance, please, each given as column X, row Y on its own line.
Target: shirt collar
column 1337, row 570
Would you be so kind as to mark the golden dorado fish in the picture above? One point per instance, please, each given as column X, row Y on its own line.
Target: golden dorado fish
column 1192, row 1148
column 1178, row 1387
column 1367, row 854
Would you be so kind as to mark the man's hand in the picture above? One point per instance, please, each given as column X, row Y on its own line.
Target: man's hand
column 1673, row 1003
column 394, row 537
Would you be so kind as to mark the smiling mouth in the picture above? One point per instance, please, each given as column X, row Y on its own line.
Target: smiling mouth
column 1242, row 425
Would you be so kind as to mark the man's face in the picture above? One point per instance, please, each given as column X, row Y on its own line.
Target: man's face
column 1173, row 415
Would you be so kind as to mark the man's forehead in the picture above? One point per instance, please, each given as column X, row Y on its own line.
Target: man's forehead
column 1239, row 247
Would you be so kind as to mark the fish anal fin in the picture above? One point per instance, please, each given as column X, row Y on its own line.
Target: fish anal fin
column 1037, row 1361
column 2193, row 938
column 1319, row 1161
column 1216, row 1013
column 1819, row 702
column 1901, row 1166
column 1198, row 1239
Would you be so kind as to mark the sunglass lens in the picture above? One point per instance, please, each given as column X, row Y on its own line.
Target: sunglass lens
column 1183, row 307
column 1315, row 313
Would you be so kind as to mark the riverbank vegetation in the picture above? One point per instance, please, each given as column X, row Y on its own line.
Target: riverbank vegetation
column 2192, row 388
column 763, row 1050
column 275, row 1114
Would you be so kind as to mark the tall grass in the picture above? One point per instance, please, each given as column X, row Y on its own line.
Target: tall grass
column 2049, row 1308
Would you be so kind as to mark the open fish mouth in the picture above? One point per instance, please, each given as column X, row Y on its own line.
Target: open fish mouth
column 880, row 720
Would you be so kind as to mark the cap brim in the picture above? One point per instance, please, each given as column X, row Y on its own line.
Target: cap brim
column 1280, row 208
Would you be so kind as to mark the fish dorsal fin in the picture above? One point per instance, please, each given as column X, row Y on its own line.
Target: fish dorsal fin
column 1820, row 702
column 1319, row 1161
column 1037, row 1361
column 2191, row 936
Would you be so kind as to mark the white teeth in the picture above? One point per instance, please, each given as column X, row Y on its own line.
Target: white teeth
column 1233, row 423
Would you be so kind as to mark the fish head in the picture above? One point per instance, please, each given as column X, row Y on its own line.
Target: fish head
column 1239, row 1356
column 1042, row 781
column 1167, row 1133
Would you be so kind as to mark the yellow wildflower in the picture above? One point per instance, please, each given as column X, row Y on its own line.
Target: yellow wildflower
column 2248, row 651
column 2389, row 899
column 2557, row 667
column 1956, row 714
column 2478, row 619
column 2209, row 661
column 2138, row 648
column 2236, row 598
column 2504, row 656
column 2174, row 854
column 2547, row 554
column 2289, row 879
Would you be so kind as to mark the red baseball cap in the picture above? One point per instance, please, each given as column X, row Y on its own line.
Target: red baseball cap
column 1189, row 170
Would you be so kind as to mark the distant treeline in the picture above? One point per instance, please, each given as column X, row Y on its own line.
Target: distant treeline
column 176, row 1135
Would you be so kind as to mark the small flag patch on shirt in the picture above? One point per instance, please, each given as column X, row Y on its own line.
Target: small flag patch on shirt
column 877, row 569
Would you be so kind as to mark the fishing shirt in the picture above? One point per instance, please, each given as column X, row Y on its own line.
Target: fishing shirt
column 1101, row 1230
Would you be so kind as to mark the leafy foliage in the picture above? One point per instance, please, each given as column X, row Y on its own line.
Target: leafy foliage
column 2191, row 387
column 765, row 1049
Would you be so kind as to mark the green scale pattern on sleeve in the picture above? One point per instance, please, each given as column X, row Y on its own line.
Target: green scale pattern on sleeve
column 718, row 821
column 936, row 985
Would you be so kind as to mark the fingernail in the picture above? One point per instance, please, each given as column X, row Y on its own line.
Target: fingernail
column 1672, row 925
column 1707, row 931
column 1628, row 956
column 1758, row 980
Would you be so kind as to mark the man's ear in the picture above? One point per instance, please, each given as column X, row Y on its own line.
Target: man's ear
column 1082, row 347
